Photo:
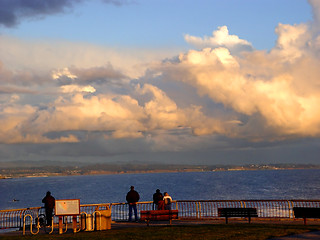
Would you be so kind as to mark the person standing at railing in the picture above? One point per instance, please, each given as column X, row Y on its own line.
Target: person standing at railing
column 49, row 202
column 167, row 201
column 132, row 199
column 157, row 197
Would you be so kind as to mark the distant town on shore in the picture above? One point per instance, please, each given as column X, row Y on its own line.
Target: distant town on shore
column 45, row 169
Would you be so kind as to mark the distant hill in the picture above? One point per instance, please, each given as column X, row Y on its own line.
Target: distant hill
column 56, row 168
column 15, row 164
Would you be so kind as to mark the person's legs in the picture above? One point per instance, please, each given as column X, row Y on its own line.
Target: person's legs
column 161, row 205
column 135, row 212
column 49, row 216
column 130, row 212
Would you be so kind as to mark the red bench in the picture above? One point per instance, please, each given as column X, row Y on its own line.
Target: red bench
column 158, row 215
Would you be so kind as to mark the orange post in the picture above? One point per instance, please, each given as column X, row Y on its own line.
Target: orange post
column 60, row 225
column 74, row 224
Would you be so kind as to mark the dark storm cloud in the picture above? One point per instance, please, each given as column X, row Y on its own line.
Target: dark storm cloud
column 118, row 2
column 98, row 75
column 10, row 90
column 12, row 11
column 95, row 75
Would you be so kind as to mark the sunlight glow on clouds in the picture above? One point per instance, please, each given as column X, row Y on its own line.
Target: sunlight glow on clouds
column 220, row 38
column 75, row 88
column 63, row 72
column 65, row 91
column 235, row 81
column 275, row 96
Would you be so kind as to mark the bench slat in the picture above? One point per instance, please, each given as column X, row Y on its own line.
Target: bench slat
column 237, row 212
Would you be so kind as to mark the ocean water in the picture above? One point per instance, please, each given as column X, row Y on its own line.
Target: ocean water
column 228, row 185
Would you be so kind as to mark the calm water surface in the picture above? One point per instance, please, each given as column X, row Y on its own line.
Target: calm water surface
column 277, row 184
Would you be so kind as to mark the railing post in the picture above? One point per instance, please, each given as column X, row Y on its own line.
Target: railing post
column 110, row 207
column 290, row 208
column 197, row 213
column 21, row 218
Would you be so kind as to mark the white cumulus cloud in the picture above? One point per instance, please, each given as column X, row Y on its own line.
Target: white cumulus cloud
column 220, row 38
column 278, row 91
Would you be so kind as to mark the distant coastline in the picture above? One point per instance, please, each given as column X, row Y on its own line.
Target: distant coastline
column 7, row 172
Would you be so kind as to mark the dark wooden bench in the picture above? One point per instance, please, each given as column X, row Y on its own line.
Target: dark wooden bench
column 306, row 212
column 237, row 212
column 158, row 215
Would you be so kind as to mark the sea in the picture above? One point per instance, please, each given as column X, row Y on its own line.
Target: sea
column 16, row 193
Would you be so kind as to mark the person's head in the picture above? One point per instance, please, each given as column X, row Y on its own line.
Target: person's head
column 158, row 190
column 132, row 187
column 48, row 193
column 166, row 194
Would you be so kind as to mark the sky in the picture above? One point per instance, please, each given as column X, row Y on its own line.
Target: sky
column 160, row 81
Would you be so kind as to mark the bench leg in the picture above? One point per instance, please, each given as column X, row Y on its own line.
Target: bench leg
column 249, row 219
column 226, row 219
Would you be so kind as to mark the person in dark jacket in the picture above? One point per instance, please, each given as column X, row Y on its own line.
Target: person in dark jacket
column 132, row 199
column 157, row 199
column 49, row 203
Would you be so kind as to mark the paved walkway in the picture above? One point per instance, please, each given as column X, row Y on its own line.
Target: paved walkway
column 305, row 236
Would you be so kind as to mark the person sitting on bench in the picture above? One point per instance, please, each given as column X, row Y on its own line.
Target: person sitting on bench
column 158, row 197
column 167, row 201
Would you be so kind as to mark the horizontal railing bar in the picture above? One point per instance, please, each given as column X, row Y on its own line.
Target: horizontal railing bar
column 250, row 200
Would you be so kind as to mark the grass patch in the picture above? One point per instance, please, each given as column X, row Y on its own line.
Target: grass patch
column 219, row 231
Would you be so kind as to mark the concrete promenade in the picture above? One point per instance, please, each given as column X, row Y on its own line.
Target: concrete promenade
column 306, row 236
column 118, row 225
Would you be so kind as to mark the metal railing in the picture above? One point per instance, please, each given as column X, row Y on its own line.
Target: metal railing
column 14, row 218
column 208, row 209
column 188, row 209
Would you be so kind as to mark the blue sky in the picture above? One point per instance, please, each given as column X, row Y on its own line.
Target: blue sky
column 164, row 23
column 166, row 81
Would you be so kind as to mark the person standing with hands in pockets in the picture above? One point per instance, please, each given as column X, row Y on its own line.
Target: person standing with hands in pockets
column 132, row 199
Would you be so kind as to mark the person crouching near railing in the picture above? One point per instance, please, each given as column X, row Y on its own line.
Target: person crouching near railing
column 132, row 199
